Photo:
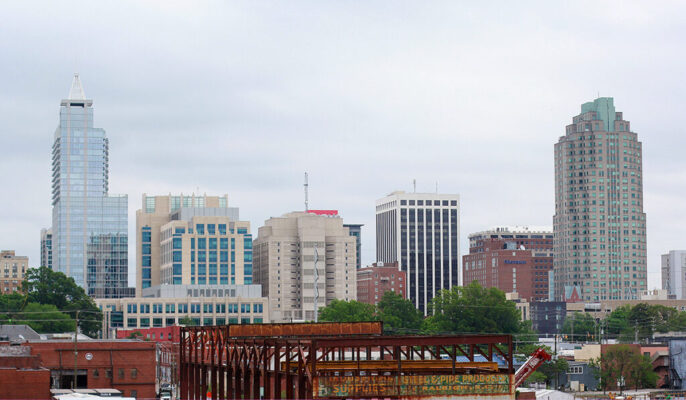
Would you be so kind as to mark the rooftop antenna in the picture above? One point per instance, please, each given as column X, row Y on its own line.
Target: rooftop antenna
column 414, row 186
column 436, row 187
column 307, row 208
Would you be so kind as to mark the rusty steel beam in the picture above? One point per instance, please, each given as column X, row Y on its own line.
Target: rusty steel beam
column 214, row 359
column 306, row 329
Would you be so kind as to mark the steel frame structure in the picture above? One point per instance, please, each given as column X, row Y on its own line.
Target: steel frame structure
column 215, row 365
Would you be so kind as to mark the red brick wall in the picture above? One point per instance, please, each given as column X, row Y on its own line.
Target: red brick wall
column 154, row 334
column 119, row 356
column 24, row 384
column 532, row 272
column 373, row 282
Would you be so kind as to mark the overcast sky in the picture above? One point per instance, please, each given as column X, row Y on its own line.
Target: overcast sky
column 243, row 97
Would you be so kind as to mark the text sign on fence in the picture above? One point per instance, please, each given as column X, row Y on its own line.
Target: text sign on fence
column 416, row 385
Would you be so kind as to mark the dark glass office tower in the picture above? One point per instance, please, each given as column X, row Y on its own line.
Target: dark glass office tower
column 421, row 232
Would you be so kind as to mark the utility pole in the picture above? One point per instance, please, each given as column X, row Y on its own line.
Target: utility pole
column 636, row 333
column 76, row 352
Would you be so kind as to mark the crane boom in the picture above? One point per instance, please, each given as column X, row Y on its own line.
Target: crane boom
column 537, row 358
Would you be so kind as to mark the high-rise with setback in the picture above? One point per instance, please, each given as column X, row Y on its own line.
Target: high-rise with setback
column 599, row 223
column 421, row 232
column 89, row 226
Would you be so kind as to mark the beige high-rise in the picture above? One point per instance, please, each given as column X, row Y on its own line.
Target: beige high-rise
column 285, row 264
column 191, row 240
column 599, row 224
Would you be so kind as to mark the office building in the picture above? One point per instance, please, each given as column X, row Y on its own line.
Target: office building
column 89, row 226
column 599, row 223
column 191, row 240
column 46, row 248
column 674, row 273
column 356, row 231
column 421, row 231
column 377, row 279
column 512, row 259
column 167, row 305
column 548, row 317
column 12, row 271
column 296, row 250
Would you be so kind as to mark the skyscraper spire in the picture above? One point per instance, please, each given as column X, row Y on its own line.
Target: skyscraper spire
column 76, row 91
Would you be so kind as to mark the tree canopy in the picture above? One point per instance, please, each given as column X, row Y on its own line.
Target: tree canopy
column 474, row 309
column 347, row 311
column 399, row 315
column 623, row 363
column 47, row 287
column 580, row 327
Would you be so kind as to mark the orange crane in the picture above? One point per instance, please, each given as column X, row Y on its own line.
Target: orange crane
column 539, row 357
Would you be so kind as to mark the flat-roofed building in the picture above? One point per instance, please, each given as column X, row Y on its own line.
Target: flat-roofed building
column 168, row 305
column 285, row 252
column 379, row 278
column 191, row 240
column 512, row 259
column 12, row 271
column 421, row 232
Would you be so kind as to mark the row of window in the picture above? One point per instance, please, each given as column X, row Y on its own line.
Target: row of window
column 207, row 321
column 207, row 308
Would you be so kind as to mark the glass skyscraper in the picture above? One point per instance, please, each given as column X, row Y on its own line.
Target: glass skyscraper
column 90, row 236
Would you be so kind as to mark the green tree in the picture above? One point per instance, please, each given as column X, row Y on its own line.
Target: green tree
column 399, row 315
column 622, row 363
column 44, row 318
column 553, row 369
column 135, row 335
column 347, row 311
column 473, row 309
column 45, row 286
column 581, row 326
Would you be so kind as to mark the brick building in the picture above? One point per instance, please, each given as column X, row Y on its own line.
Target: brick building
column 379, row 278
column 21, row 374
column 168, row 339
column 126, row 365
column 515, row 259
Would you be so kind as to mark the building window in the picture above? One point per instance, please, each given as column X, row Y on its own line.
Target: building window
column 120, row 373
column 134, row 373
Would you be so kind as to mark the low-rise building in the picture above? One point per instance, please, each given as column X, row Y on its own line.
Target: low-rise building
column 167, row 305
column 43, row 364
column 547, row 317
column 379, row 278
column 12, row 271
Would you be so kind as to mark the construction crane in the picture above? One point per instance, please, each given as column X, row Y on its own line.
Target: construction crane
column 539, row 357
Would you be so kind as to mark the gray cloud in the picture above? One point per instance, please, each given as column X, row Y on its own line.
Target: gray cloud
column 241, row 98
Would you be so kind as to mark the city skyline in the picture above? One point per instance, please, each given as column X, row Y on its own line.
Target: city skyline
column 381, row 96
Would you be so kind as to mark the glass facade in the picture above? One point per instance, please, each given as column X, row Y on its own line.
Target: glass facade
column 90, row 239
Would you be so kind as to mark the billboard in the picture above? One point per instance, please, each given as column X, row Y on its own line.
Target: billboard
column 411, row 385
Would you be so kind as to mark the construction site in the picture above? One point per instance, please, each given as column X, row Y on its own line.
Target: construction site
column 343, row 361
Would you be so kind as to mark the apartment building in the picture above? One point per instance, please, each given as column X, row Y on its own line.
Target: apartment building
column 294, row 251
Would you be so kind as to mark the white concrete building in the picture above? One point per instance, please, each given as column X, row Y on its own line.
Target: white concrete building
column 674, row 273
column 284, row 263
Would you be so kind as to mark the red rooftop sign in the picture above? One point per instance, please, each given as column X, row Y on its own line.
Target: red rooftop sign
column 323, row 212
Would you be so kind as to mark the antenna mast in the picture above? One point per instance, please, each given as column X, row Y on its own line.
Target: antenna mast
column 306, row 185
